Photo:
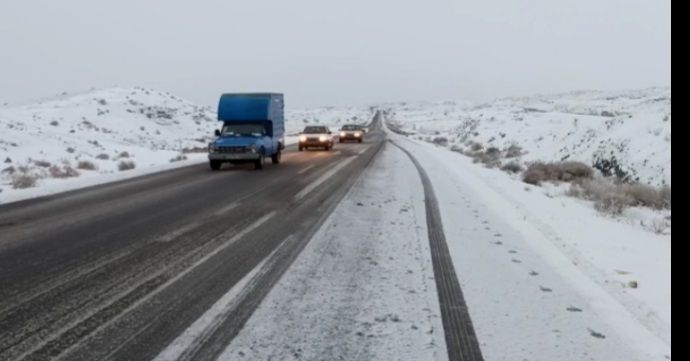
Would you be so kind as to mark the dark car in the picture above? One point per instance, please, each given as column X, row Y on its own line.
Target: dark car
column 316, row 136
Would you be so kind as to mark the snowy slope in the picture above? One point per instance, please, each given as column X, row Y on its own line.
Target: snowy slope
column 632, row 127
column 150, row 129
column 151, row 126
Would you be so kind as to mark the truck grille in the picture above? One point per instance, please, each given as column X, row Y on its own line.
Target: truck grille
column 237, row 149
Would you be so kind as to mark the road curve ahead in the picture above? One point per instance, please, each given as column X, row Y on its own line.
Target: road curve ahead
column 119, row 271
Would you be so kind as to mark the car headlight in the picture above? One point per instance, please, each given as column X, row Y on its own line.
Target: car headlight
column 323, row 138
column 358, row 134
column 342, row 134
column 302, row 138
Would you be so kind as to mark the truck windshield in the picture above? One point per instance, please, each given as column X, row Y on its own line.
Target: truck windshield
column 243, row 130
column 315, row 130
column 350, row 127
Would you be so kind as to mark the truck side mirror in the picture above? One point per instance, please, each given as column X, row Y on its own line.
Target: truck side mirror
column 217, row 133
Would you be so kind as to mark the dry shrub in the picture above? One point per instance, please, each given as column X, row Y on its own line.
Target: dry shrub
column 178, row 158
column 665, row 193
column 23, row 180
column 613, row 198
column 42, row 163
column 512, row 167
column 569, row 171
column 457, row 149
column 66, row 171
column 475, row 147
column 126, row 165
column 513, row 151
column 86, row 165
column 442, row 141
column 491, row 157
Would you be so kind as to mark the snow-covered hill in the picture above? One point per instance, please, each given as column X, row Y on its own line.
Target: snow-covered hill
column 628, row 130
column 101, row 129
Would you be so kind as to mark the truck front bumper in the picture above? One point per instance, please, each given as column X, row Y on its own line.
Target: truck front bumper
column 350, row 136
column 233, row 156
column 315, row 143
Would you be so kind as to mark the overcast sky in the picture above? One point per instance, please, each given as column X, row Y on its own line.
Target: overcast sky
column 321, row 52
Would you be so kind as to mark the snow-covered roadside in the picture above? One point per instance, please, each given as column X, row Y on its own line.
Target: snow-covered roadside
column 544, row 276
column 54, row 186
column 363, row 288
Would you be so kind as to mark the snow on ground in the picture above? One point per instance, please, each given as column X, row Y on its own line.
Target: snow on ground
column 363, row 288
column 546, row 277
column 631, row 127
column 75, row 140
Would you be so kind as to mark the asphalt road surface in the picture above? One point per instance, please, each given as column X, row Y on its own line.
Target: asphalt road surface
column 118, row 271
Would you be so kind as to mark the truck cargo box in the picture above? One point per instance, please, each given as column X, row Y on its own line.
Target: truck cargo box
column 244, row 107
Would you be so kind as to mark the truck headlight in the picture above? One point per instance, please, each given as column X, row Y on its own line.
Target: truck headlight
column 211, row 148
column 342, row 134
column 323, row 138
column 253, row 148
column 358, row 134
column 303, row 138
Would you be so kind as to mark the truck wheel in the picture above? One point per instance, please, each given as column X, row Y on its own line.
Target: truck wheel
column 275, row 158
column 259, row 163
column 300, row 148
column 215, row 164
column 360, row 140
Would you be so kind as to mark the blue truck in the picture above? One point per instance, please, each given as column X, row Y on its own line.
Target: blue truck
column 253, row 130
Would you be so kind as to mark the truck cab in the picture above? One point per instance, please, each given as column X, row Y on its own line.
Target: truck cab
column 253, row 129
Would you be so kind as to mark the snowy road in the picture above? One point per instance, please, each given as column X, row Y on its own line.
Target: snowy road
column 120, row 271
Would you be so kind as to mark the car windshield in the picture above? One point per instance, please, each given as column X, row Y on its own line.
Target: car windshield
column 350, row 127
column 243, row 130
column 315, row 130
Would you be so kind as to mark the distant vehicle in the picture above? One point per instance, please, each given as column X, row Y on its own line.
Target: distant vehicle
column 253, row 130
column 316, row 136
column 351, row 132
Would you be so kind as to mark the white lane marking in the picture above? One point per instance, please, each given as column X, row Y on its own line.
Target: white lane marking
column 306, row 169
column 147, row 297
column 323, row 178
column 227, row 208
column 363, row 150
column 178, row 232
column 189, row 340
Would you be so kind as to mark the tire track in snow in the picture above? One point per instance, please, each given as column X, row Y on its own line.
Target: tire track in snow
column 461, row 339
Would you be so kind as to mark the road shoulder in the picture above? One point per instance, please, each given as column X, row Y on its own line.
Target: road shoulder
column 363, row 288
column 528, row 296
